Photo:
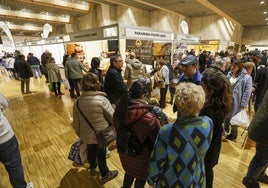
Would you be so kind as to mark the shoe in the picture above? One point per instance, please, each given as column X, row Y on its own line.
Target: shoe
column 93, row 172
column 61, row 93
column 263, row 179
column 109, row 176
column 249, row 184
column 230, row 137
column 30, row 185
column 223, row 139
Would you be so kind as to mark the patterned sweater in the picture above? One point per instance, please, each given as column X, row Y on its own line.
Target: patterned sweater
column 174, row 161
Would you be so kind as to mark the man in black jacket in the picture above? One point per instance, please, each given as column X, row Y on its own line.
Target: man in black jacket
column 23, row 68
column 114, row 85
column 258, row 131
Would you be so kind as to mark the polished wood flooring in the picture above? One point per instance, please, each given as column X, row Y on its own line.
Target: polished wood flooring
column 42, row 124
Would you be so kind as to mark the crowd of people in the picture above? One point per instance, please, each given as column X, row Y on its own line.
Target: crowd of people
column 206, row 92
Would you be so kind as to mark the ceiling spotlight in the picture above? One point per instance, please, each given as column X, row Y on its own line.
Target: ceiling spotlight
column 266, row 18
column 262, row 2
column 265, row 12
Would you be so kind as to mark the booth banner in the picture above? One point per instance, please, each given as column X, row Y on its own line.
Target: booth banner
column 213, row 48
column 148, row 35
column 142, row 49
column 96, row 34
column 188, row 39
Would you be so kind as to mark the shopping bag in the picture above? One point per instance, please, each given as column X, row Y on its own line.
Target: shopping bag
column 66, row 84
column 241, row 119
column 74, row 154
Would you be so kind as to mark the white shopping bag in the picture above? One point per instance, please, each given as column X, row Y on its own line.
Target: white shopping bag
column 66, row 84
column 241, row 119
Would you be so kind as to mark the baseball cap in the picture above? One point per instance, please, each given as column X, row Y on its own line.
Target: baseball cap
column 189, row 60
column 256, row 53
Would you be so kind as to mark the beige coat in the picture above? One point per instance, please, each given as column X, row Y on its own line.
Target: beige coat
column 98, row 110
column 134, row 70
column 53, row 72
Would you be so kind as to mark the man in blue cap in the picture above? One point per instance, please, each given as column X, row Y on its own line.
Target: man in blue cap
column 190, row 71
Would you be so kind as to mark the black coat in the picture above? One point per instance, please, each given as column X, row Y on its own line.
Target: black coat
column 258, row 129
column 261, row 85
column 213, row 153
column 23, row 68
column 114, row 85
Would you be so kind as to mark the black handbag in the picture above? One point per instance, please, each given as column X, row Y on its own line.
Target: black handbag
column 103, row 137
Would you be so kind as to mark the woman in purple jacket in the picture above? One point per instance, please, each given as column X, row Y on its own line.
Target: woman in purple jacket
column 241, row 86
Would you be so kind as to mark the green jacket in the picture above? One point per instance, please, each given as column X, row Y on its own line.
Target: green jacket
column 73, row 69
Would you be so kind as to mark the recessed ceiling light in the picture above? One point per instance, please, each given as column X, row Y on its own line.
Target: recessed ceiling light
column 266, row 18
column 262, row 2
column 265, row 12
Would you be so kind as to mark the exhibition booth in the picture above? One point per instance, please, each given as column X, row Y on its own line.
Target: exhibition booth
column 214, row 45
column 149, row 45
column 185, row 42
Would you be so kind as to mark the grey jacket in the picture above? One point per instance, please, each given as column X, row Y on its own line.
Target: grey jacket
column 99, row 112
column 258, row 129
column 6, row 132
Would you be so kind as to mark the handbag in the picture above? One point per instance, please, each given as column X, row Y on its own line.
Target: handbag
column 240, row 119
column 103, row 137
column 74, row 154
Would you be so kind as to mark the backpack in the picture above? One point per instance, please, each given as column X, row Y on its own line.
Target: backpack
column 127, row 141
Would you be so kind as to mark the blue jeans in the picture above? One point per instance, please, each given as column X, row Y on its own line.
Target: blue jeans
column 258, row 164
column 97, row 157
column 10, row 157
column 36, row 71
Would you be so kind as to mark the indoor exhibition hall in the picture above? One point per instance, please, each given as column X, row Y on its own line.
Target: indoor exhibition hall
column 133, row 94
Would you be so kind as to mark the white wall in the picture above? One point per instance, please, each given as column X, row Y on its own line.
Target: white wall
column 255, row 35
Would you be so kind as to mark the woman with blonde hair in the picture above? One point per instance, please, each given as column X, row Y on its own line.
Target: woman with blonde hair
column 99, row 112
column 177, row 159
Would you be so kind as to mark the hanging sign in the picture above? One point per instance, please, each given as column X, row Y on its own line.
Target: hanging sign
column 146, row 34
column 188, row 39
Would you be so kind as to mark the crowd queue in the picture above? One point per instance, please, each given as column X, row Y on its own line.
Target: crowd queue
column 206, row 91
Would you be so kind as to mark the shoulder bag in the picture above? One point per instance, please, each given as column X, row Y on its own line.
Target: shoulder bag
column 103, row 137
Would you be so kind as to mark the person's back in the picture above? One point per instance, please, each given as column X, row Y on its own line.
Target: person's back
column 261, row 85
column 22, row 67
column 92, row 109
column 171, row 164
column 134, row 70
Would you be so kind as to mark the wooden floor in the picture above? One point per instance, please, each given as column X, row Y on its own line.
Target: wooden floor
column 42, row 124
